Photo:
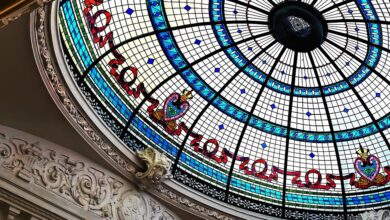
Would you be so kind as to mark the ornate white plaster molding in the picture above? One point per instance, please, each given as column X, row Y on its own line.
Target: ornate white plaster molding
column 375, row 215
column 19, row 11
column 12, row 17
column 68, row 176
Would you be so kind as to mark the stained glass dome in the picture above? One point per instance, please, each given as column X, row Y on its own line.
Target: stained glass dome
column 274, row 107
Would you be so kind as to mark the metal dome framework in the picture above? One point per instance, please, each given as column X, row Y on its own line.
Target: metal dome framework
column 209, row 84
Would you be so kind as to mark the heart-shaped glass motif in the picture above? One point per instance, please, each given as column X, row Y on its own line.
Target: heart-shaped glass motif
column 369, row 171
column 171, row 110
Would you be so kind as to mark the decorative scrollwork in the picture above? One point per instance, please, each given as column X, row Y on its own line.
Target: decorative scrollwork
column 87, row 186
column 76, row 180
column 5, row 149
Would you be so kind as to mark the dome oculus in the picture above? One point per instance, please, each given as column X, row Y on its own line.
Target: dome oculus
column 298, row 26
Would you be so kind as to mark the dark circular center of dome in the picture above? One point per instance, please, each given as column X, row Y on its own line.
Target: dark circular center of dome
column 298, row 26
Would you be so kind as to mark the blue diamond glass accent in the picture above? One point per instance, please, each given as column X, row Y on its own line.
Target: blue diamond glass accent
column 263, row 145
column 239, row 31
column 187, row 8
column 197, row 42
column 217, row 70
column 221, row 127
column 346, row 110
column 129, row 11
column 150, row 61
column 235, row 11
column 308, row 114
column 378, row 95
column 312, row 155
column 273, row 106
column 242, row 91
